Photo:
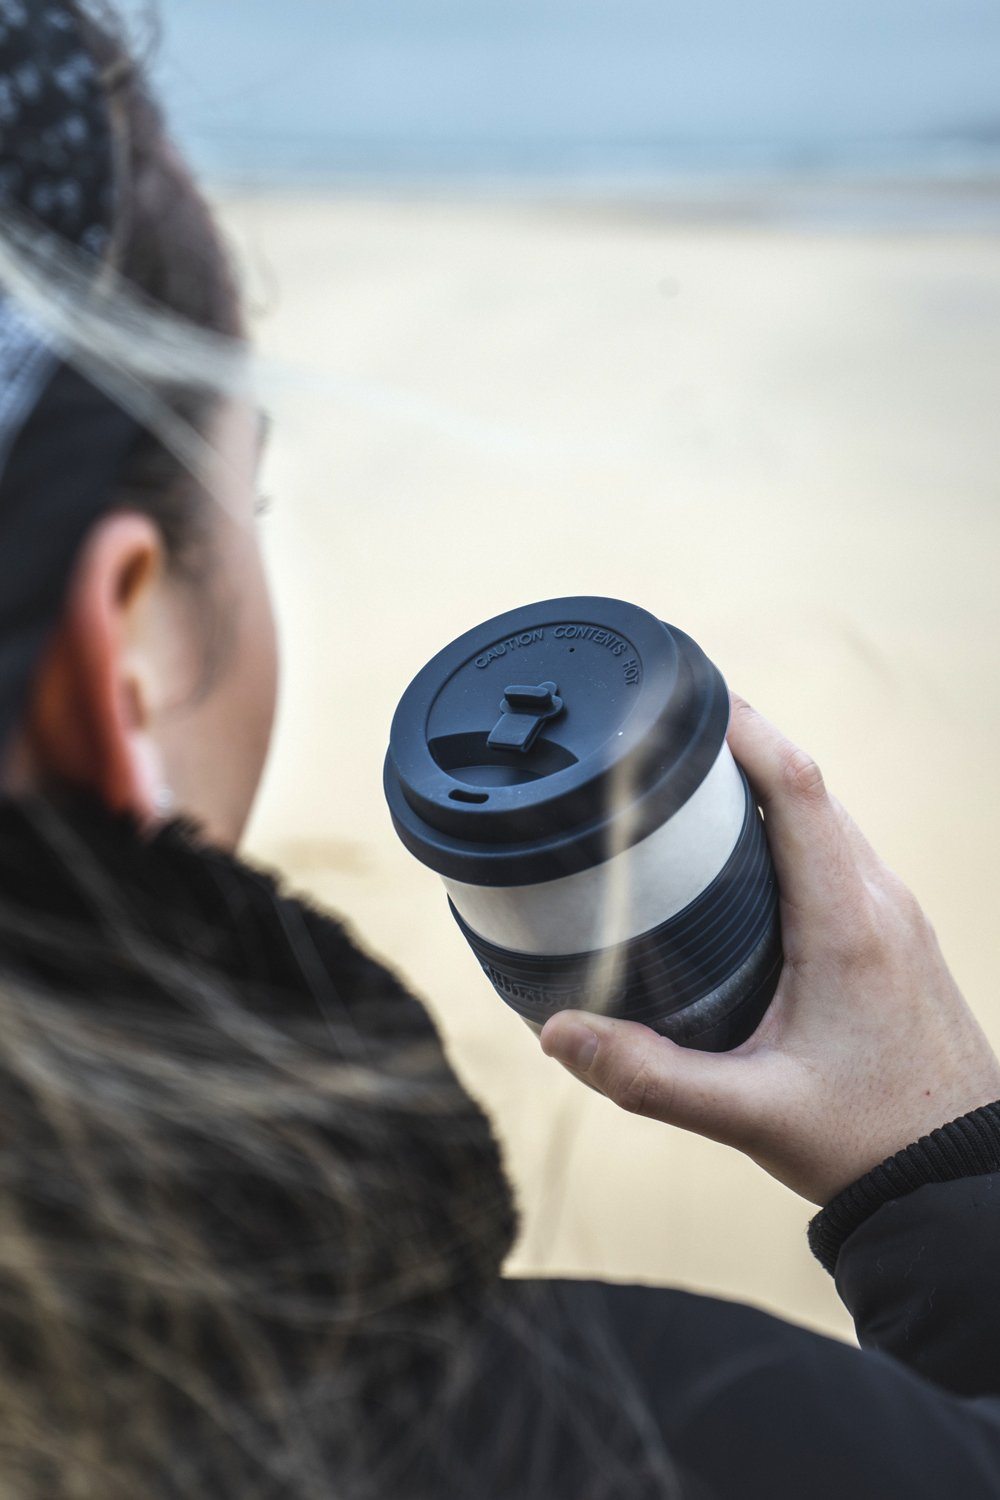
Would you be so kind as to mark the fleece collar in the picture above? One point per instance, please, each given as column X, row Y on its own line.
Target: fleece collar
column 158, row 937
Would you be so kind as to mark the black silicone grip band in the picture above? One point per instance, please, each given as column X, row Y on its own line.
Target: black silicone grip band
column 668, row 969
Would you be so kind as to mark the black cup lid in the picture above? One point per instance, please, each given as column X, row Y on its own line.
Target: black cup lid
column 515, row 748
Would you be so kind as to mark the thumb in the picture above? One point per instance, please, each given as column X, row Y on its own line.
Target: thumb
column 717, row 1094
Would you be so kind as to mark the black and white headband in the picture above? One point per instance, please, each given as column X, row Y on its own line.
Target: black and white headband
column 63, row 443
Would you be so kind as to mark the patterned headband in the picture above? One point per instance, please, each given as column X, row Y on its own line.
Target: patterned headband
column 62, row 443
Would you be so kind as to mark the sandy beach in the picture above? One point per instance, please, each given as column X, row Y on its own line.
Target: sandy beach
column 783, row 440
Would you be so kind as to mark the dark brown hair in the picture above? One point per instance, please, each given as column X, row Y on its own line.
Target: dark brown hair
column 170, row 249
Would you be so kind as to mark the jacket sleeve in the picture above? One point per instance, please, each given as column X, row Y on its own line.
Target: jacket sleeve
column 921, row 1279
column 913, row 1248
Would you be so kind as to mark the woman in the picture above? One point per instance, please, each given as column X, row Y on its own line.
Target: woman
column 251, row 1225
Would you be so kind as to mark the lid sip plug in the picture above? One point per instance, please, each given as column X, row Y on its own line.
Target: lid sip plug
column 563, row 768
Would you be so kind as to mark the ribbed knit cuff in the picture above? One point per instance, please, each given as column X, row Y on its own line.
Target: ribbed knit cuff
column 967, row 1147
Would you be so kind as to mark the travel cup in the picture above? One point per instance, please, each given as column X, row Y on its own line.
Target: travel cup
column 564, row 770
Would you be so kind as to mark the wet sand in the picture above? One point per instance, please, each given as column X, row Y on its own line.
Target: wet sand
column 784, row 441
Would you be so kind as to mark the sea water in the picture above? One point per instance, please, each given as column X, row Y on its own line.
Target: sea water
column 632, row 95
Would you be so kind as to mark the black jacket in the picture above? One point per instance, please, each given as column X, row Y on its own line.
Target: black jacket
column 363, row 1264
column 752, row 1408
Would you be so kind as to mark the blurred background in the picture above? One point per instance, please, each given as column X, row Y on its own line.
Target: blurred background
column 692, row 304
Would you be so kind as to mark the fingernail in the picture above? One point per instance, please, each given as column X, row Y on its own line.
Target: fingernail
column 573, row 1044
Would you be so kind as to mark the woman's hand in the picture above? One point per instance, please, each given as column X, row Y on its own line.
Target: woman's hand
column 868, row 1043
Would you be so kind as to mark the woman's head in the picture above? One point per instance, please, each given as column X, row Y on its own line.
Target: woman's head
column 156, row 687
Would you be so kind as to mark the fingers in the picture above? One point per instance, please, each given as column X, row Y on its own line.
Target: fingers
column 869, row 863
column 715, row 1094
column 816, row 865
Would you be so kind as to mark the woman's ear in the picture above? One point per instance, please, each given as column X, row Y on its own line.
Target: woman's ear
column 90, row 718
